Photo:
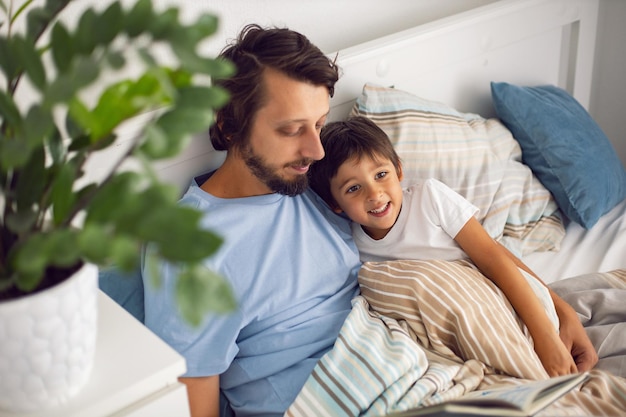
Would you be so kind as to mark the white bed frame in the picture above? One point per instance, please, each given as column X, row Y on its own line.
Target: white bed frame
column 452, row 60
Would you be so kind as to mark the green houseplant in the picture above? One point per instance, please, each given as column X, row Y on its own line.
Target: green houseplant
column 66, row 90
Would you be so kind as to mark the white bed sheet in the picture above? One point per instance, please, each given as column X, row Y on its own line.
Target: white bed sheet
column 599, row 249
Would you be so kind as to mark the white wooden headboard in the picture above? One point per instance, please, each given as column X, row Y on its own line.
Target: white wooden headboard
column 452, row 60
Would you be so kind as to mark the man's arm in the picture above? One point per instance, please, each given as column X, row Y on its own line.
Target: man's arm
column 204, row 395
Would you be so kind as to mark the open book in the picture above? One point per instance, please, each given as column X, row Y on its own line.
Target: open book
column 519, row 400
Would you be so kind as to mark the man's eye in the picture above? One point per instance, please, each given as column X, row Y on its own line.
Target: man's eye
column 290, row 132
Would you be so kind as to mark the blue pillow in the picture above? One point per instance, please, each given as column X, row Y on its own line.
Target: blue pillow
column 564, row 147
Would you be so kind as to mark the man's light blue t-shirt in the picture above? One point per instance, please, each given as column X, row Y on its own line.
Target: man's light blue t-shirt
column 292, row 265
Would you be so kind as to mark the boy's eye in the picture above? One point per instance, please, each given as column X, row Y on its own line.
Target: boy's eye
column 353, row 189
column 381, row 174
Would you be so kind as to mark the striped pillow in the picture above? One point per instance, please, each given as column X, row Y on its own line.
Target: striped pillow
column 453, row 310
column 476, row 157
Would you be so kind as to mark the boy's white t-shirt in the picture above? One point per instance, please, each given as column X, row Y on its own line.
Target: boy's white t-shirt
column 432, row 215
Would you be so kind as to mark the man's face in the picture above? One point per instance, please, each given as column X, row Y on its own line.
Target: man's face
column 284, row 139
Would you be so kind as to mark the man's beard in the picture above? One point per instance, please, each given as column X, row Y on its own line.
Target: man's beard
column 269, row 177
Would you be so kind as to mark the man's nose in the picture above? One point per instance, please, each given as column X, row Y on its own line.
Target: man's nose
column 312, row 146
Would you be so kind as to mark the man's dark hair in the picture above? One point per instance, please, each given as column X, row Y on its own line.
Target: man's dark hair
column 255, row 50
column 354, row 138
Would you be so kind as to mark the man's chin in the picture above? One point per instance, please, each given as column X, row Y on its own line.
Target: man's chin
column 289, row 188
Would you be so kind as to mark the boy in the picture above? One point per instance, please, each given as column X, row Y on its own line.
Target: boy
column 360, row 176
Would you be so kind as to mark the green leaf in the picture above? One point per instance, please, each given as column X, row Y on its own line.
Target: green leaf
column 82, row 72
column 109, row 24
column 85, row 35
column 199, row 97
column 9, row 111
column 62, row 196
column 217, row 68
column 31, row 62
column 29, row 261
column 38, row 125
column 176, row 126
column 180, row 78
column 139, row 18
column 93, row 242
column 13, row 153
column 163, row 24
column 155, row 144
column 115, row 59
column 108, row 204
column 124, row 100
column 62, row 47
column 73, row 128
column 62, row 247
column 80, row 116
column 31, row 181
column 104, row 142
column 125, row 252
column 9, row 61
column 80, row 143
column 37, row 21
column 199, row 290
column 56, row 146
column 21, row 221
column 35, row 253
column 41, row 17
column 205, row 26
column 177, row 233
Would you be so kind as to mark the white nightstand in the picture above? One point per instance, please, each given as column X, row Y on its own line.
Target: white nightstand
column 135, row 373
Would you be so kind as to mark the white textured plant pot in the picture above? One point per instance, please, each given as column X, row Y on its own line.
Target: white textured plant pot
column 47, row 343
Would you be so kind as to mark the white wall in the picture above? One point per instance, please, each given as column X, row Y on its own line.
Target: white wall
column 330, row 24
column 608, row 101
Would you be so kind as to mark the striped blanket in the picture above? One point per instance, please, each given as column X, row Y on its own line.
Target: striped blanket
column 424, row 332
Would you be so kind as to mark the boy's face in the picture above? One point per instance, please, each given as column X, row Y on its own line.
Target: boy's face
column 369, row 192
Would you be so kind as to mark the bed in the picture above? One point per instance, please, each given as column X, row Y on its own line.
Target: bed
column 492, row 102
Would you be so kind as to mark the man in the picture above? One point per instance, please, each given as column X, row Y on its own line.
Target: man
column 291, row 262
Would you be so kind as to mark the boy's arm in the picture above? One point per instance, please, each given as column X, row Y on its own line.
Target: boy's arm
column 500, row 266
column 572, row 332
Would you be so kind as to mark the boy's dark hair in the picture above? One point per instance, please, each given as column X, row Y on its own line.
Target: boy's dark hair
column 354, row 138
column 256, row 49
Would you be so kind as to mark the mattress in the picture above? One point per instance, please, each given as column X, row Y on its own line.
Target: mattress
column 599, row 249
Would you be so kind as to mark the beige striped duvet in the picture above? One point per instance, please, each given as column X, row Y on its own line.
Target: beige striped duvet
column 426, row 331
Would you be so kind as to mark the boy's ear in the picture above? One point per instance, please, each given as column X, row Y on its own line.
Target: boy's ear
column 337, row 209
column 400, row 173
